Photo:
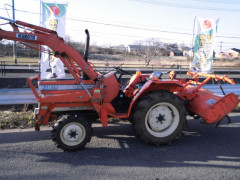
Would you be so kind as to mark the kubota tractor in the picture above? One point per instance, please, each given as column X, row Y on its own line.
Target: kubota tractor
column 156, row 107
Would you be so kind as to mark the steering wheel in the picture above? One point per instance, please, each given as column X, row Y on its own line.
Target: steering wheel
column 121, row 72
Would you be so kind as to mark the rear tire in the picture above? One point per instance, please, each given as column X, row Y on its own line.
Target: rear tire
column 71, row 133
column 159, row 117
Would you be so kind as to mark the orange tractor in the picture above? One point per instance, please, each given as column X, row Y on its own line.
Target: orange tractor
column 156, row 107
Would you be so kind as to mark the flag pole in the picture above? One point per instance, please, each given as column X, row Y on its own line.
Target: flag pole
column 40, row 47
column 190, row 63
column 40, row 18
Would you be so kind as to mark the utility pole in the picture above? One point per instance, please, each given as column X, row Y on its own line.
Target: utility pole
column 14, row 43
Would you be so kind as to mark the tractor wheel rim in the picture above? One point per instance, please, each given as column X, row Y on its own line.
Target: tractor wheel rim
column 72, row 134
column 162, row 119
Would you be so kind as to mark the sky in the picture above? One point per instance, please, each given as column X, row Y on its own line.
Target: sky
column 116, row 22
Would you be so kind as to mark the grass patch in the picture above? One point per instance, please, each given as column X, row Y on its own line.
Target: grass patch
column 10, row 59
column 10, row 120
column 20, row 60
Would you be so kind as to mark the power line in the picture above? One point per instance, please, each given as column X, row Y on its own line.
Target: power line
column 229, row 33
column 228, row 42
column 219, row 1
column 129, row 27
column 125, row 35
column 185, row 6
column 90, row 21
column 104, row 34
column 21, row 11
column 116, row 25
column 231, row 37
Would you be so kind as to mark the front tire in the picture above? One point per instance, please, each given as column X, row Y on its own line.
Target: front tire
column 71, row 133
column 159, row 117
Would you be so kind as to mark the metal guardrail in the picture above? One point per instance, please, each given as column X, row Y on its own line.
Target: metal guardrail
column 17, row 96
column 228, row 88
column 25, row 95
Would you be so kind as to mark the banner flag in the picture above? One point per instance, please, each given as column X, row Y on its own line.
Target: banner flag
column 205, row 32
column 53, row 17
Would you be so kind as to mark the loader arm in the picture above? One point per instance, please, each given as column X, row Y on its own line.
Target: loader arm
column 41, row 36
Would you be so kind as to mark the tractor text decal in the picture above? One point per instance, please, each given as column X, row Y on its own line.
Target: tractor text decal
column 65, row 87
column 26, row 36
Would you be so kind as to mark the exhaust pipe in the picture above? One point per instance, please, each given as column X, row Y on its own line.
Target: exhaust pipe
column 85, row 76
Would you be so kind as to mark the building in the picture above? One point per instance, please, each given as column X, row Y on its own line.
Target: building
column 229, row 54
column 135, row 48
column 121, row 48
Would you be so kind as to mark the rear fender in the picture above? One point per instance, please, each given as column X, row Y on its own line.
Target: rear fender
column 150, row 86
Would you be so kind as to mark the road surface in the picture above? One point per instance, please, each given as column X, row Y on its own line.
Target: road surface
column 203, row 152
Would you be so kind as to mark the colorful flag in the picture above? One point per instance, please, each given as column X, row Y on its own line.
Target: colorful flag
column 205, row 31
column 53, row 17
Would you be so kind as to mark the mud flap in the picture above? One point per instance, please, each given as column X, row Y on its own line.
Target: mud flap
column 211, row 107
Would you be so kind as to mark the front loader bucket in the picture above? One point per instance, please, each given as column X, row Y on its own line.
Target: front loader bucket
column 212, row 107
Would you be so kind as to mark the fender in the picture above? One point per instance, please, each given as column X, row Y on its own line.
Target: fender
column 154, row 85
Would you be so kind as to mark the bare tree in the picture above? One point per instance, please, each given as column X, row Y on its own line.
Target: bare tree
column 148, row 49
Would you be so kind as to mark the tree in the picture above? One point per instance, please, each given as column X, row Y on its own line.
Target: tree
column 148, row 49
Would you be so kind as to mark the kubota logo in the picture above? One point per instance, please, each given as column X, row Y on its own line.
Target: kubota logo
column 207, row 24
column 55, row 10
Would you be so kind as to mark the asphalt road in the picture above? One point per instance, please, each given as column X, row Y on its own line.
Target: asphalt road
column 203, row 152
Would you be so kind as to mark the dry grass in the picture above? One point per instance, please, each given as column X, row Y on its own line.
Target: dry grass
column 20, row 61
column 10, row 120
column 162, row 62
column 135, row 61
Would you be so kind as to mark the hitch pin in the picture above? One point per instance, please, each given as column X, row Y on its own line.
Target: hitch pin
column 85, row 89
